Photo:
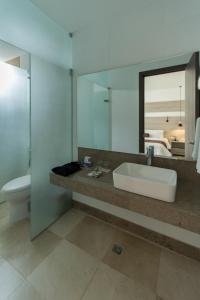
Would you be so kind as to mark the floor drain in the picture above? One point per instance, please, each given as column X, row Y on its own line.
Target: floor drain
column 117, row 249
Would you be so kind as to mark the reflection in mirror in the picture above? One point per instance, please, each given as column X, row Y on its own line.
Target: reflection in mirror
column 164, row 113
column 94, row 114
column 129, row 108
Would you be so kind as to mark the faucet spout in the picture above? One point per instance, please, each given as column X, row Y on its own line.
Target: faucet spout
column 150, row 155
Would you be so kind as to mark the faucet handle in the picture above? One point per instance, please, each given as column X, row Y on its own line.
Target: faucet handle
column 150, row 150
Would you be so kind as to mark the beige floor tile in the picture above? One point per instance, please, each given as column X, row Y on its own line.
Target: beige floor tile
column 133, row 290
column 65, row 273
column 25, row 292
column 103, row 284
column 109, row 284
column 24, row 255
column 12, row 236
column 93, row 236
column 139, row 259
column 67, row 222
column 4, row 224
column 3, row 210
column 10, row 279
column 179, row 277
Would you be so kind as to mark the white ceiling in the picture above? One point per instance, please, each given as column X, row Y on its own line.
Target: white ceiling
column 113, row 33
column 74, row 15
column 8, row 51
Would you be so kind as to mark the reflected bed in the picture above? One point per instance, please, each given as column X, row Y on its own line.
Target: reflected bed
column 161, row 144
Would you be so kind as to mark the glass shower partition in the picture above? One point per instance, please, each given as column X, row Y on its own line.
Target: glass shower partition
column 51, row 140
column 14, row 122
column 93, row 115
column 101, row 118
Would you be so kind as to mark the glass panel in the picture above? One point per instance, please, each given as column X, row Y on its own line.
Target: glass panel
column 125, row 120
column 50, row 140
column 101, row 115
column 94, row 115
column 14, row 122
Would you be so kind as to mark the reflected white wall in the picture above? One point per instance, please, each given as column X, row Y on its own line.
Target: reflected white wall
column 101, row 118
column 93, row 115
column 84, row 113
column 125, row 121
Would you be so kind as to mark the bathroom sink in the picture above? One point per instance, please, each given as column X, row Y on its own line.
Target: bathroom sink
column 157, row 183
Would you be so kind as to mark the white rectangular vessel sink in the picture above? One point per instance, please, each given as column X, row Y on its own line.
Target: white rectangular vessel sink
column 157, row 183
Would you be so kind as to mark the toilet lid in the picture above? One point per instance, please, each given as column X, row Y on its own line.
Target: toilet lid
column 17, row 184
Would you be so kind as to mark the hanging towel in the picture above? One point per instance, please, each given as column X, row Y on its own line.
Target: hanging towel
column 198, row 163
column 196, row 150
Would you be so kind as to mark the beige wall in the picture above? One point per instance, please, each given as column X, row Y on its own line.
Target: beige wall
column 164, row 106
column 159, row 123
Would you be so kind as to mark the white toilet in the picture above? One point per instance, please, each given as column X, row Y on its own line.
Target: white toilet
column 17, row 194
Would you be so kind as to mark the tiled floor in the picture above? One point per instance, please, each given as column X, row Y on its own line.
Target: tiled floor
column 4, row 218
column 73, row 260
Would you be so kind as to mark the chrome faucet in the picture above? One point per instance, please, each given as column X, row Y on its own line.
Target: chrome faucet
column 150, row 155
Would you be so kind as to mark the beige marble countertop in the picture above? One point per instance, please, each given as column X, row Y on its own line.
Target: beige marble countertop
column 184, row 212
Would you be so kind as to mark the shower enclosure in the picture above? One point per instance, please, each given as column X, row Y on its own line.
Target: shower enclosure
column 14, row 122
column 93, row 115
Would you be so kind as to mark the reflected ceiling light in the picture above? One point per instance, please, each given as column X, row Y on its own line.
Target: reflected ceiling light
column 180, row 124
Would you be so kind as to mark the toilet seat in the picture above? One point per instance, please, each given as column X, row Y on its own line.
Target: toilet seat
column 17, row 184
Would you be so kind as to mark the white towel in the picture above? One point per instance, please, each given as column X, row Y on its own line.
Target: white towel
column 198, row 164
column 196, row 149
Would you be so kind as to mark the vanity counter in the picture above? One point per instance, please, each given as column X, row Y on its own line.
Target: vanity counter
column 184, row 212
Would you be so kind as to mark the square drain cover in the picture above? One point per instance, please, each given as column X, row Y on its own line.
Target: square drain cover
column 117, row 249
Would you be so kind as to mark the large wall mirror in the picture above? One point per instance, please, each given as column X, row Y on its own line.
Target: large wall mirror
column 130, row 108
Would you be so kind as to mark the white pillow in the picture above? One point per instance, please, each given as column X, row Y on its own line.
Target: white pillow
column 159, row 134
